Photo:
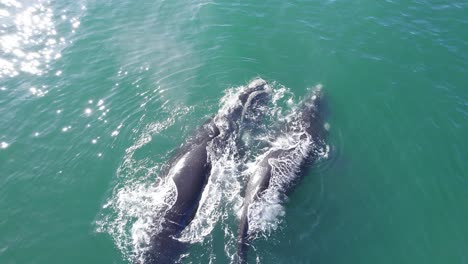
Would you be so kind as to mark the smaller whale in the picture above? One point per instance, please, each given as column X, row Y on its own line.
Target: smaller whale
column 189, row 172
column 278, row 167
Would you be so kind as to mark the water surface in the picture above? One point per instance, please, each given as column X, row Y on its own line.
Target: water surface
column 94, row 95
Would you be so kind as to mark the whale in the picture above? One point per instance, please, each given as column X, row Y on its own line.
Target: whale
column 190, row 168
column 280, row 166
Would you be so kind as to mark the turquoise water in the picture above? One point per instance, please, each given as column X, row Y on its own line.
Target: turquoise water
column 96, row 95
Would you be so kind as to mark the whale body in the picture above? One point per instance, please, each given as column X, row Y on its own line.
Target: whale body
column 279, row 166
column 189, row 172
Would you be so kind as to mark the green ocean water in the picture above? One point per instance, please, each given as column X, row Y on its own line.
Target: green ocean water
column 96, row 95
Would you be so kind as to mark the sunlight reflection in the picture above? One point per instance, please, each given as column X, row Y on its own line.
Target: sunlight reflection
column 29, row 40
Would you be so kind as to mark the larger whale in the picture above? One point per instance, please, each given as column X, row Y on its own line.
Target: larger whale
column 190, row 169
column 280, row 165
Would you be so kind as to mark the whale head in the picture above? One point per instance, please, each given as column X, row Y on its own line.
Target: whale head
column 255, row 89
column 249, row 99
